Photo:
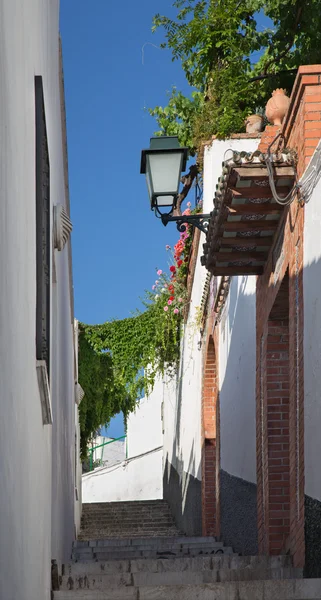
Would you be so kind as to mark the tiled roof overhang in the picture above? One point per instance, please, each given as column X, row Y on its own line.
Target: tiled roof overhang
column 246, row 216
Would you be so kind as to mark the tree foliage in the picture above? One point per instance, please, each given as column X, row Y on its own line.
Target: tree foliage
column 222, row 45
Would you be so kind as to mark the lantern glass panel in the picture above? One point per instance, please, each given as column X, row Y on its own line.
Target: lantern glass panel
column 165, row 171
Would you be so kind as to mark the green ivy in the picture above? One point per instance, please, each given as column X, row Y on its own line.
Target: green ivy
column 119, row 360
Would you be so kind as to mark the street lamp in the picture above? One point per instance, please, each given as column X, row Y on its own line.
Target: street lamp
column 163, row 163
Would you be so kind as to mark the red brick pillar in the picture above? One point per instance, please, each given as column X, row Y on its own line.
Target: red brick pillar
column 210, row 455
column 278, row 436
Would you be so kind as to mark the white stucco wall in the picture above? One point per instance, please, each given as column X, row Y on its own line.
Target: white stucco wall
column 182, row 408
column 29, row 47
column 144, row 426
column 312, row 344
column 236, row 343
column 182, row 402
column 237, row 371
column 135, row 479
column 139, row 477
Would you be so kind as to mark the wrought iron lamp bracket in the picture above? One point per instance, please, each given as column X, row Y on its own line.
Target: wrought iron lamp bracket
column 200, row 221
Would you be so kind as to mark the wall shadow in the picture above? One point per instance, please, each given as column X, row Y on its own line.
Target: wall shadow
column 238, row 497
column 181, row 490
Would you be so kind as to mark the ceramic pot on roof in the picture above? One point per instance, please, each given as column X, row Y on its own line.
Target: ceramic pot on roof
column 277, row 106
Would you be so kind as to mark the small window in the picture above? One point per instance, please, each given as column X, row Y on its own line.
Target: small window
column 43, row 249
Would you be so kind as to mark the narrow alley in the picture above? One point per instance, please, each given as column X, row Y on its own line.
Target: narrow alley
column 160, row 444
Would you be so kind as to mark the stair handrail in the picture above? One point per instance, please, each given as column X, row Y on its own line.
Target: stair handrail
column 93, row 448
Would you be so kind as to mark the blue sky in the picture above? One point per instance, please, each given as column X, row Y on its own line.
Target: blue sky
column 117, row 240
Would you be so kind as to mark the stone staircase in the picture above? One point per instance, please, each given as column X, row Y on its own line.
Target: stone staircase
column 119, row 557
column 127, row 520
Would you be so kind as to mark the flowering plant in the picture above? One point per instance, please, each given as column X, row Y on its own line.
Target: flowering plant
column 171, row 291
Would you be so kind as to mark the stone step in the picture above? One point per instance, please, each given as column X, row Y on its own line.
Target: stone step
column 124, row 512
column 171, row 531
column 153, row 541
column 83, row 553
column 126, row 509
column 128, row 520
column 126, row 524
column 149, row 543
column 132, row 532
column 159, row 502
column 160, row 565
column 116, row 534
column 102, row 555
column 127, row 515
column 288, row 589
column 153, row 550
column 104, row 581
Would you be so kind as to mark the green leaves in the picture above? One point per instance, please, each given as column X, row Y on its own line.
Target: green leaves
column 119, row 360
column 222, row 44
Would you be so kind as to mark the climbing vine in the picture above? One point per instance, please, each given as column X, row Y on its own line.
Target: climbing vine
column 119, row 360
column 222, row 45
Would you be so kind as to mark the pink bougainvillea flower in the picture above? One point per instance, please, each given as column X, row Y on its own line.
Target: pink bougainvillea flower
column 153, row 287
column 172, row 269
column 169, row 302
column 165, row 308
column 176, row 311
column 187, row 212
column 179, row 263
column 159, row 272
column 180, row 299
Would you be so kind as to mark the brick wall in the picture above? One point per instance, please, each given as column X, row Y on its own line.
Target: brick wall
column 210, row 448
column 270, row 132
column 277, row 467
column 302, row 129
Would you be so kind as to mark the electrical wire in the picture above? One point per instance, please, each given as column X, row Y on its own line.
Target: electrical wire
column 311, row 176
column 288, row 199
column 305, row 185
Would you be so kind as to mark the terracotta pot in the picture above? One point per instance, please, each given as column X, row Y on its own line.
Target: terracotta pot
column 254, row 123
column 277, row 107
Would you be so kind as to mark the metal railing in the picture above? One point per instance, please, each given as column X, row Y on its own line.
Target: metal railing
column 92, row 450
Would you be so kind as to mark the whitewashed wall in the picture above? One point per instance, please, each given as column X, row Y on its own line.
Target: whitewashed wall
column 144, row 426
column 140, row 476
column 312, row 343
column 237, row 342
column 182, row 400
column 237, row 370
column 29, row 47
column 134, row 479
column 78, row 463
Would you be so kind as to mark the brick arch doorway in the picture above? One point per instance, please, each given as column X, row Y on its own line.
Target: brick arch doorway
column 210, row 444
